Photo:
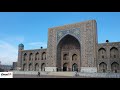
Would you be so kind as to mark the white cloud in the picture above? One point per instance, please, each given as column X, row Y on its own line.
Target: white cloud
column 8, row 53
column 38, row 44
column 11, row 38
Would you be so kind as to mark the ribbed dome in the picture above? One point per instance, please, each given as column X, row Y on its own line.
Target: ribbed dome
column 21, row 45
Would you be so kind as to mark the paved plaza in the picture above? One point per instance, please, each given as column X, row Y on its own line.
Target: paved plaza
column 34, row 74
column 44, row 76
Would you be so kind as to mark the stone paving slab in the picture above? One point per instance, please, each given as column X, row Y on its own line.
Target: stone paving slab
column 50, row 76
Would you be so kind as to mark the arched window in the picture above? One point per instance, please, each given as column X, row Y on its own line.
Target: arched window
column 37, row 56
column 36, row 67
column 25, row 57
column 115, row 67
column 30, row 67
column 31, row 56
column 102, row 53
column 114, row 52
column 43, row 56
column 103, row 67
column 74, row 57
column 43, row 67
column 65, row 57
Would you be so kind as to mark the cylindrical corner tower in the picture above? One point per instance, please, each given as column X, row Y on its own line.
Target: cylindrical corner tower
column 20, row 48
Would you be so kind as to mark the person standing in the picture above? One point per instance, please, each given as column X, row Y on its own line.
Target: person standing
column 38, row 74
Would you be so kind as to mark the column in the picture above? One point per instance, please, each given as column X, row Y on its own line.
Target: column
column 33, row 61
column 70, row 61
column 27, row 61
column 108, row 57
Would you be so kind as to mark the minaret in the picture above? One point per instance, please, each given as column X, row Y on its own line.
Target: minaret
column 20, row 48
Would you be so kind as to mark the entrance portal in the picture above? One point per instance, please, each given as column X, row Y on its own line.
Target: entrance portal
column 74, row 67
column 65, row 66
column 66, row 47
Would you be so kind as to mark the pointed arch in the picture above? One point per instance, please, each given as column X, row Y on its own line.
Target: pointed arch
column 65, row 67
column 102, row 53
column 37, row 56
column 36, row 67
column 25, row 57
column 65, row 36
column 74, row 57
column 31, row 56
column 115, row 67
column 65, row 45
column 74, row 67
column 65, row 57
column 103, row 67
column 43, row 67
column 114, row 53
column 44, row 56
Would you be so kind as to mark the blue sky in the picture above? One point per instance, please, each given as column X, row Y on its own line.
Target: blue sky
column 31, row 29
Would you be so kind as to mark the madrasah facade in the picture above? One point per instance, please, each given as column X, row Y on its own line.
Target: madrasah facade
column 72, row 47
